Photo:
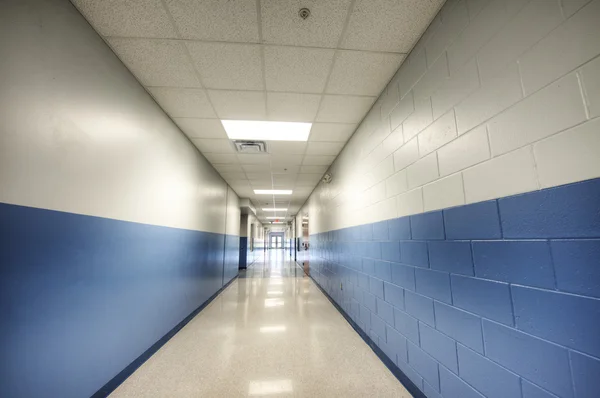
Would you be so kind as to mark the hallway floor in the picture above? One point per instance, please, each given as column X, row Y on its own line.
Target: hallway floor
column 270, row 333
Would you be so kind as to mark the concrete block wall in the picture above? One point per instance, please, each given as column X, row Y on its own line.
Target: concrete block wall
column 461, row 231
column 499, row 298
column 490, row 97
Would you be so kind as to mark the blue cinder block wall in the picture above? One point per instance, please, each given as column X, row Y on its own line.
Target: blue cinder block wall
column 496, row 299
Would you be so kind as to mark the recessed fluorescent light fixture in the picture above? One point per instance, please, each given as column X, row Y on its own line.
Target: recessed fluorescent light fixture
column 276, row 218
column 273, row 329
column 268, row 131
column 276, row 222
column 270, row 387
column 273, row 191
column 274, row 302
column 273, row 209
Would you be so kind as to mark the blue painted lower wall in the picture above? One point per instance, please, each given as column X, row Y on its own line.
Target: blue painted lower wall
column 493, row 299
column 82, row 297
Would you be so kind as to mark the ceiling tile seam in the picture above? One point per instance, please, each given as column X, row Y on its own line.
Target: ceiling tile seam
column 198, row 75
column 267, row 91
column 262, row 55
column 187, row 54
column 335, row 56
column 252, row 43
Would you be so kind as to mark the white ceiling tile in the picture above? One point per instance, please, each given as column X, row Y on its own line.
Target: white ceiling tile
column 261, row 183
column 317, row 160
column 216, row 20
column 333, row 132
column 343, row 108
column 314, row 169
column 362, row 73
column 201, row 128
column 260, row 176
column 384, row 25
column 297, row 69
column 183, row 102
column 286, row 168
column 256, row 168
column 281, row 23
column 156, row 62
column 227, row 65
column 228, row 168
column 283, row 185
column 292, row 107
column 305, row 186
column 284, row 178
column 133, row 18
column 216, row 158
column 258, row 158
column 239, row 105
column 210, row 145
column 324, row 148
column 281, row 148
column 283, row 160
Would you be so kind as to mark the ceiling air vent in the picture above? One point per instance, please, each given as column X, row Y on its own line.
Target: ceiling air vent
column 250, row 146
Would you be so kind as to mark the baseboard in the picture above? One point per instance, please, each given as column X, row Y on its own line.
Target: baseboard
column 116, row 381
column 402, row 378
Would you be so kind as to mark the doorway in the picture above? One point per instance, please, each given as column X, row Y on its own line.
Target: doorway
column 276, row 240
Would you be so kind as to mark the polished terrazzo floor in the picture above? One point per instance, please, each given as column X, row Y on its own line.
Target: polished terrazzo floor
column 271, row 333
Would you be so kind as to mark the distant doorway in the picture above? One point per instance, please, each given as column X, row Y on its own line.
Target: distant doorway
column 276, row 241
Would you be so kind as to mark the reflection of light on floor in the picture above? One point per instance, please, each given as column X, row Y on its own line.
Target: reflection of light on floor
column 275, row 292
column 267, row 387
column 274, row 302
column 276, row 282
column 273, row 329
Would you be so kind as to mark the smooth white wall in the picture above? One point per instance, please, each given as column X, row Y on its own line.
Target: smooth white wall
column 498, row 98
column 233, row 213
column 79, row 134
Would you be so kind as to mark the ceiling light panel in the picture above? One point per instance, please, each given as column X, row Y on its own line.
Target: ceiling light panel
column 264, row 130
column 274, row 209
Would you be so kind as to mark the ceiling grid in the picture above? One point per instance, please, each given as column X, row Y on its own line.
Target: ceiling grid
column 205, row 61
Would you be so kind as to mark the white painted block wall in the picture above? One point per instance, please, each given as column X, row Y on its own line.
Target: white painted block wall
column 498, row 97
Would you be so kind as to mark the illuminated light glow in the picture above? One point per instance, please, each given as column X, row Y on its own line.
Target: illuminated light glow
column 273, row 191
column 276, row 218
column 270, row 387
column 275, row 292
column 273, row 329
column 264, row 130
column 274, row 209
column 274, row 302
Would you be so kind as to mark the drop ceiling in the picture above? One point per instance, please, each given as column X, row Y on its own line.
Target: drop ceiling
column 208, row 60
